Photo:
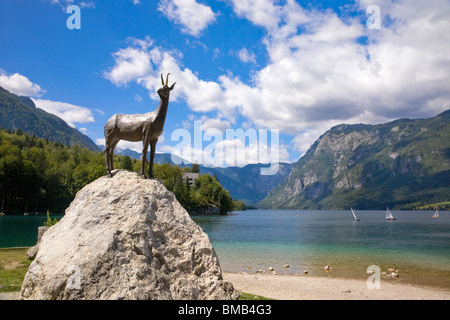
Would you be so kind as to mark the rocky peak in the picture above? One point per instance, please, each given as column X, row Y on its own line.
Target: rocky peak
column 396, row 163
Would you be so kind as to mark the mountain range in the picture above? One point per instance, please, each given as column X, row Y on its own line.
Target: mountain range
column 18, row 112
column 402, row 164
column 244, row 183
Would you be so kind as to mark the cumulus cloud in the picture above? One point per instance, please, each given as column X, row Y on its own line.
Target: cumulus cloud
column 323, row 69
column 321, row 74
column 144, row 65
column 133, row 63
column 66, row 3
column 192, row 16
column 219, row 149
column 20, row 85
column 246, row 56
column 68, row 112
column 215, row 124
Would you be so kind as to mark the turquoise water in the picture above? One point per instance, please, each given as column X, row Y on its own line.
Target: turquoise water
column 415, row 244
column 21, row 231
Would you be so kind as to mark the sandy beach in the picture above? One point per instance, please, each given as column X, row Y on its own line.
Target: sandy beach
column 298, row 287
column 306, row 287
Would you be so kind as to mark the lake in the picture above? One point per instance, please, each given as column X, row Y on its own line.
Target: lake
column 415, row 244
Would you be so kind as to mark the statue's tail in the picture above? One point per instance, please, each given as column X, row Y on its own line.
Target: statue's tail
column 117, row 119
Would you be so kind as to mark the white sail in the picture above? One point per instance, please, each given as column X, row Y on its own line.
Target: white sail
column 354, row 215
column 436, row 214
column 389, row 215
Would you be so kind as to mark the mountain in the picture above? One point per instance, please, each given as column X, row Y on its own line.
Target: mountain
column 402, row 164
column 244, row 183
column 160, row 158
column 21, row 113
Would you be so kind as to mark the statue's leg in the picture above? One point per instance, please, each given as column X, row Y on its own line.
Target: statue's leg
column 111, row 155
column 106, row 152
column 144, row 158
column 152, row 157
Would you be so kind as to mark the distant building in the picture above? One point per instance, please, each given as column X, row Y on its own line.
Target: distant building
column 191, row 177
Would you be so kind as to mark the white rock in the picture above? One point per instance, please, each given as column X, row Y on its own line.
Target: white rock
column 125, row 238
column 31, row 253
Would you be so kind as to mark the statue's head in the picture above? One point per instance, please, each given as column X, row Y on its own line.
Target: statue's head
column 164, row 91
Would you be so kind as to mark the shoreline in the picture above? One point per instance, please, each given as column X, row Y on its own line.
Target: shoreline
column 307, row 287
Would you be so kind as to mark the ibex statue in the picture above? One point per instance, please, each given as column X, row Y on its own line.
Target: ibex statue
column 145, row 127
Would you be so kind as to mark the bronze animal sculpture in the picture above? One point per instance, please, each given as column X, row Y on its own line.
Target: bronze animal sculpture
column 145, row 127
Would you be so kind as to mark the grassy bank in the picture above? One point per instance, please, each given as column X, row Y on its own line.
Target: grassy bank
column 13, row 267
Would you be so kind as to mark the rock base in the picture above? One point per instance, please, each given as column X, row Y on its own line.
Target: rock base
column 126, row 238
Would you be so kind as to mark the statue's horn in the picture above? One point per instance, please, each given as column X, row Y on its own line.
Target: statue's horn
column 162, row 80
column 167, row 79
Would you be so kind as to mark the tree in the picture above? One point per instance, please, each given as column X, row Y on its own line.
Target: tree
column 225, row 201
column 47, row 176
column 127, row 164
column 195, row 168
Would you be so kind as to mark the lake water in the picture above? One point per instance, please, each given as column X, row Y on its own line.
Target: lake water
column 415, row 244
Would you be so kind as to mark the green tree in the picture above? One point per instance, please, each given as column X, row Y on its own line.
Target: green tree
column 195, row 168
column 126, row 163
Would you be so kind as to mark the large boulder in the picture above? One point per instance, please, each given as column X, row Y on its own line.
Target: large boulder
column 31, row 253
column 125, row 238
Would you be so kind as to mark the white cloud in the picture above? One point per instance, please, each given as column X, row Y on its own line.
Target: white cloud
column 138, row 98
column 132, row 63
column 87, row 4
column 215, row 124
column 100, row 141
column 20, row 85
column 319, row 73
column 221, row 151
column 68, row 112
column 123, row 144
column 191, row 15
column 65, row 3
column 246, row 56
column 144, row 65
column 135, row 146
column 263, row 13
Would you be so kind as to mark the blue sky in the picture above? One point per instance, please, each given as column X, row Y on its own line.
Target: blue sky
column 294, row 67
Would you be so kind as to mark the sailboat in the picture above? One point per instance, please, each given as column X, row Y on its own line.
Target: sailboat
column 354, row 215
column 26, row 213
column 1, row 212
column 436, row 214
column 389, row 215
